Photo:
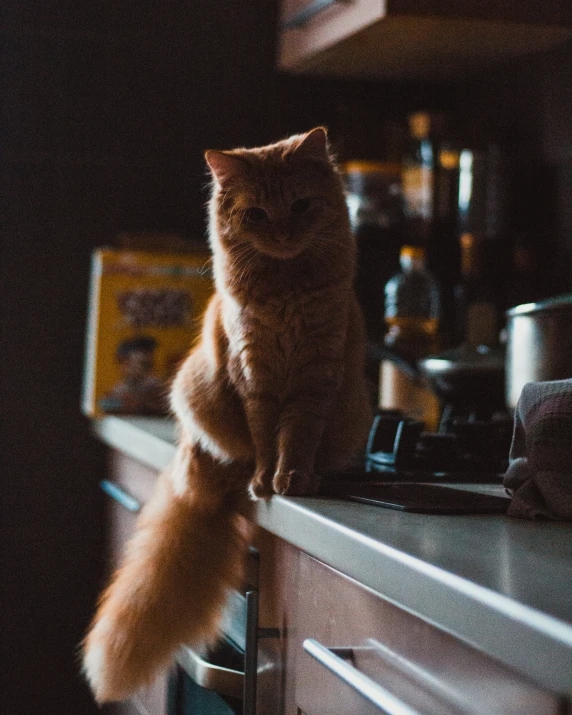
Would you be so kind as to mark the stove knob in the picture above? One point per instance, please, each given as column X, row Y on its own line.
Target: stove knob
column 406, row 438
column 383, row 430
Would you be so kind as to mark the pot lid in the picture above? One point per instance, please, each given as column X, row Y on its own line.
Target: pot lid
column 465, row 358
column 559, row 302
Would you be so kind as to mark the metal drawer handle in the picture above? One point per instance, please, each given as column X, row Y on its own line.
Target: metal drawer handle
column 335, row 660
column 224, row 681
column 120, row 496
column 251, row 654
column 306, row 14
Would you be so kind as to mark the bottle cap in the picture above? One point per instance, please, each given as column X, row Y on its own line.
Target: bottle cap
column 419, row 124
column 422, row 124
column 412, row 252
column 471, row 255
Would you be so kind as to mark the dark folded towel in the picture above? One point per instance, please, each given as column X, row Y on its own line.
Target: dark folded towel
column 539, row 476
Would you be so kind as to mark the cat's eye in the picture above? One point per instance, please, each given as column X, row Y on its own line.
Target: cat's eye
column 300, row 206
column 255, row 214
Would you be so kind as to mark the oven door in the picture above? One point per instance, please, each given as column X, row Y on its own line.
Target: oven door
column 223, row 679
column 211, row 683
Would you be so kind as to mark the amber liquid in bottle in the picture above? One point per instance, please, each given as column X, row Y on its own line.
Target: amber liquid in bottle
column 412, row 320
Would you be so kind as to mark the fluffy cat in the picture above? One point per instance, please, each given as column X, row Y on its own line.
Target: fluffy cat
column 273, row 390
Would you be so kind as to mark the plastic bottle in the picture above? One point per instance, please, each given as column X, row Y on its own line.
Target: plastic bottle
column 412, row 313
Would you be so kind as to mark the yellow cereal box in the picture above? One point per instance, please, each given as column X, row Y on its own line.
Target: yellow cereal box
column 145, row 312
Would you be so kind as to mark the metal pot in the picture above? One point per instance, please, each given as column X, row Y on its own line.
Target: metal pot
column 539, row 344
column 467, row 378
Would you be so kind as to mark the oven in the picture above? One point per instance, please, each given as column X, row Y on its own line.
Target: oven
column 222, row 680
column 212, row 682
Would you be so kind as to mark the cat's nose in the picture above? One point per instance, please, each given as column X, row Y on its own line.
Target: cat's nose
column 281, row 236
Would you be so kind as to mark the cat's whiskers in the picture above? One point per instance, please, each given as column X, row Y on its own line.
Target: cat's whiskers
column 242, row 265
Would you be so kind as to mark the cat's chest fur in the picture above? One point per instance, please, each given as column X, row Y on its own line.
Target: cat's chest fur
column 273, row 342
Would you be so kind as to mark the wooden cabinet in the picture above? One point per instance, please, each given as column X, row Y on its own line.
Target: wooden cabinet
column 428, row 39
column 407, row 659
column 328, row 645
column 129, row 485
column 337, row 635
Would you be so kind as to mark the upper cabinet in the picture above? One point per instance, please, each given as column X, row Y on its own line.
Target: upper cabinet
column 406, row 39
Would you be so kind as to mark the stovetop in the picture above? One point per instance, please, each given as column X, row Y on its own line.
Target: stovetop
column 421, row 498
column 399, row 449
column 410, row 469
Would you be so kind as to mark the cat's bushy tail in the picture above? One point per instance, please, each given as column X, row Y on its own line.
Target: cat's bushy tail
column 187, row 552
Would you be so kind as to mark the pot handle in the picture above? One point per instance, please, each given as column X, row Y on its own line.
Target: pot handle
column 380, row 352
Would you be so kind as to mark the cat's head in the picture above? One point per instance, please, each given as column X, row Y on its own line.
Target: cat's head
column 281, row 199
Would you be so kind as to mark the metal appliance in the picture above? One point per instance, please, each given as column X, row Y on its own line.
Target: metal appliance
column 223, row 680
column 539, row 344
column 458, row 471
column 475, row 451
column 469, row 380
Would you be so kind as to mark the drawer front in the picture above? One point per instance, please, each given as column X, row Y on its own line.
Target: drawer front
column 135, row 478
column 310, row 26
column 129, row 486
column 350, row 640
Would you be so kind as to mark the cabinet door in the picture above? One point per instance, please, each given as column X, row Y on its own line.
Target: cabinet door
column 359, row 654
column 310, row 26
column 432, row 39
column 278, row 607
column 129, row 485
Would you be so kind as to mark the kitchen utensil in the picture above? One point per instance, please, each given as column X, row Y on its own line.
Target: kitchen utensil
column 470, row 380
column 539, row 344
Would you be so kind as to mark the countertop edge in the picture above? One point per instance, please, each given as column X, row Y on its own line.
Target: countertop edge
column 131, row 438
column 519, row 636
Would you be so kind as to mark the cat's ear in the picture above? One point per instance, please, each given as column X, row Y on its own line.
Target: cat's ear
column 224, row 166
column 313, row 145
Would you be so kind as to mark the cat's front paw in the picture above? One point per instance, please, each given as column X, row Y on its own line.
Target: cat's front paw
column 295, row 483
column 260, row 486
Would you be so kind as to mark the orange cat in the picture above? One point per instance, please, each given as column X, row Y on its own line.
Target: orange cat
column 274, row 389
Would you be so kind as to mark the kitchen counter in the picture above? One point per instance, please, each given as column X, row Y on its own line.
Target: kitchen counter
column 504, row 585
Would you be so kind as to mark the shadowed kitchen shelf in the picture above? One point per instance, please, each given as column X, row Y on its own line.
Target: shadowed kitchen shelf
column 402, row 39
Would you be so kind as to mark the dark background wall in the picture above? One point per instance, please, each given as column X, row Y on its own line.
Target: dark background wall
column 106, row 110
column 529, row 103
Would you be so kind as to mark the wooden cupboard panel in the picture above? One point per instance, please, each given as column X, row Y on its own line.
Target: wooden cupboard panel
column 428, row 669
column 422, row 665
column 138, row 481
column 404, row 39
column 325, row 29
column 278, row 609
column 152, row 700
